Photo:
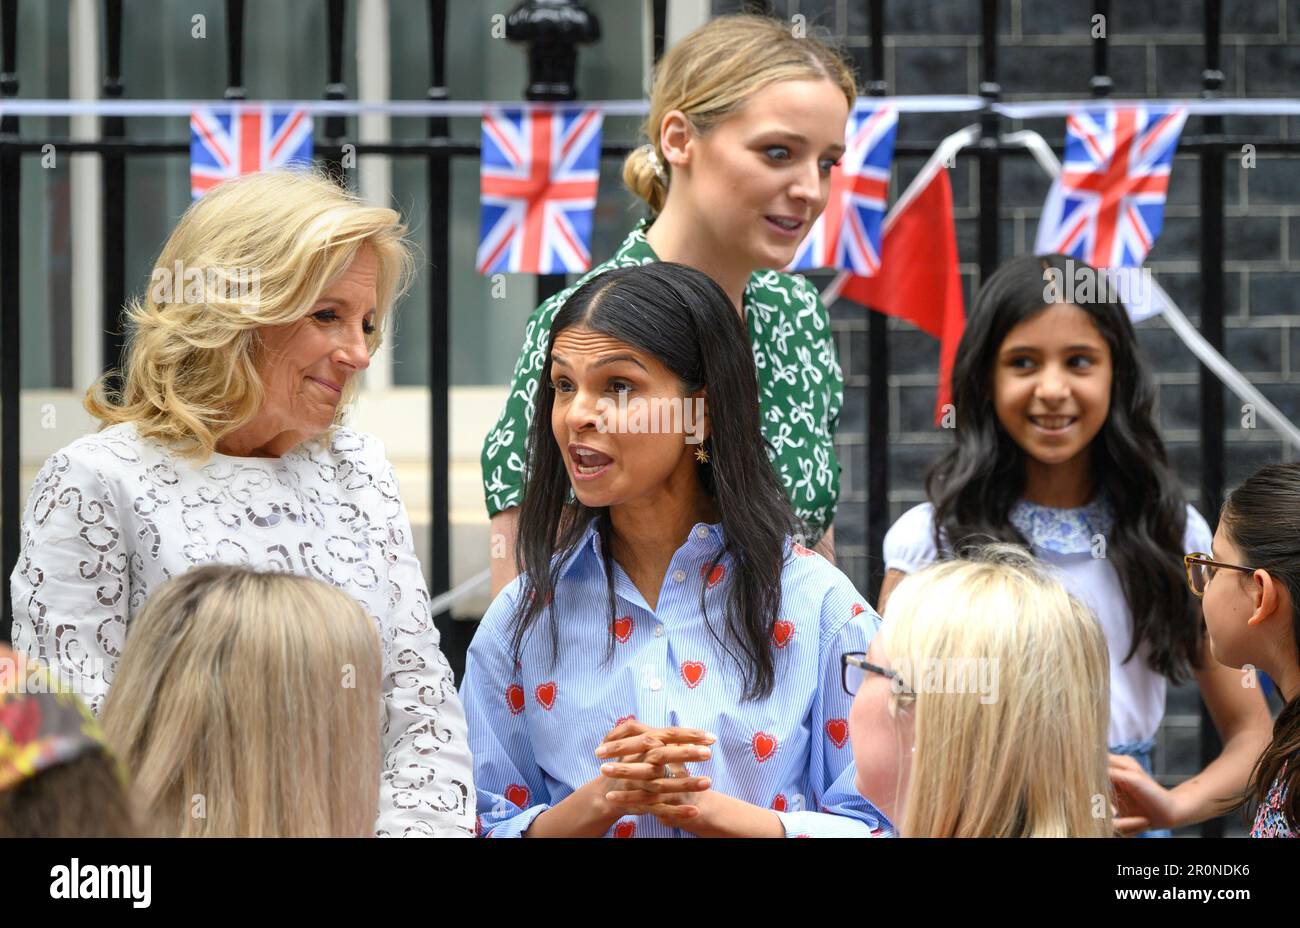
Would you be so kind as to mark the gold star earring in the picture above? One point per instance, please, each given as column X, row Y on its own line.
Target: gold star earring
column 701, row 454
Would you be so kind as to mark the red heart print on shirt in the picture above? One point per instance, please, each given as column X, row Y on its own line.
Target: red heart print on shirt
column 779, row 803
column 625, row 829
column 782, row 632
column 802, row 551
column 838, row 731
column 764, row 746
column 692, row 673
column 546, row 695
column 626, row 718
column 517, row 794
column 713, row 579
column 623, row 628
column 515, row 698
column 857, row 610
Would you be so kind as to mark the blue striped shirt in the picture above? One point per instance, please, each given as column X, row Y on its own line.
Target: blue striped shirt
column 534, row 727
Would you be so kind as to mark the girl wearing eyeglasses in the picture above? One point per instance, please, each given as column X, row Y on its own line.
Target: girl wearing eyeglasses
column 1056, row 446
column 965, row 724
column 1249, row 583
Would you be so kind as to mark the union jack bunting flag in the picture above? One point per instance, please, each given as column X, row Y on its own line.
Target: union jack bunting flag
column 847, row 234
column 537, row 189
column 1108, row 205
column 226, row 143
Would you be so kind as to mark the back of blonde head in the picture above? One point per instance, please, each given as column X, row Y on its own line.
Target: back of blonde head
column 248, row 704
column 710, row 74
column 1033, row 761
column 190, row 376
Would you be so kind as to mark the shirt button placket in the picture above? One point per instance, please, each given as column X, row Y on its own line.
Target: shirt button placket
column 655, row 677
column 653, row 687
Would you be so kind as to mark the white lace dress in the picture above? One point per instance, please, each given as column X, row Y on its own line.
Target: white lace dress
column 112, row 516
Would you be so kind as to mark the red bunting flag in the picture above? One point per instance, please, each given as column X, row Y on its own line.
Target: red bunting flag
column 918, row 278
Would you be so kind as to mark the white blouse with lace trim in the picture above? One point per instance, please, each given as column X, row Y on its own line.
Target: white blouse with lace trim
column 112, row 516
column 1067, row 539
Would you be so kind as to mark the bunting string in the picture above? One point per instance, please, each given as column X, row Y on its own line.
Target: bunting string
column 919, row 103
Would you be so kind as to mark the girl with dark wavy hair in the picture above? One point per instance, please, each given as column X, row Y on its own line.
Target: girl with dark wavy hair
column 664, row 615
column 1056, row 447
column 1249, row 584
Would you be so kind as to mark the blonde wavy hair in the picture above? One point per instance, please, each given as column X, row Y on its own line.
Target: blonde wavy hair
column 1031, row 762
column 712, row 72
column 248, row 704
column 190, row 373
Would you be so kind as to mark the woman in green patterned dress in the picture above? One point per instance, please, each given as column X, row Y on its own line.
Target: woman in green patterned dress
column 746, row 122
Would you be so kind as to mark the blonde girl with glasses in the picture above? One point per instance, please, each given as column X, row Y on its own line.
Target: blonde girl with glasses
column 987, row 718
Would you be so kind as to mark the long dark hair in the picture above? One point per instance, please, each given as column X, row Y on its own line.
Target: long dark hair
column 685, row 320
column 1262, row 520
column 975, row 484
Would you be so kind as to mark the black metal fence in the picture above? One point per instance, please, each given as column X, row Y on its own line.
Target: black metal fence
column 552, row 30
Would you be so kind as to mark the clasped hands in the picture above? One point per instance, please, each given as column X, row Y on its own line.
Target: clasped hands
column 644, row 773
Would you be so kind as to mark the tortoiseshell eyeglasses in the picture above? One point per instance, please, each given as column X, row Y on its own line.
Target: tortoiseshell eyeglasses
column 1201, row 570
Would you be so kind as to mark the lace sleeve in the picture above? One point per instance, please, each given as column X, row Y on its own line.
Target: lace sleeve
column 426, row 787
column 71, row 587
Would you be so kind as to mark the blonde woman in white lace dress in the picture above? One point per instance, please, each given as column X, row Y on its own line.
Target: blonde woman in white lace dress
column 225, row 446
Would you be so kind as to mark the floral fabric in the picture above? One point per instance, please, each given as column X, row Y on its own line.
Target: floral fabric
column 800, row 389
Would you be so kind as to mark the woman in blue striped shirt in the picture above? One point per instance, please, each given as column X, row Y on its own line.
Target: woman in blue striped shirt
column 668, row 661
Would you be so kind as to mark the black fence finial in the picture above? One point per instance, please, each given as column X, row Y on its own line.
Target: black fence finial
column 553, row 30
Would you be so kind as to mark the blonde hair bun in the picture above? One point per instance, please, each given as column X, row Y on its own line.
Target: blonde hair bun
column 710, row 74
